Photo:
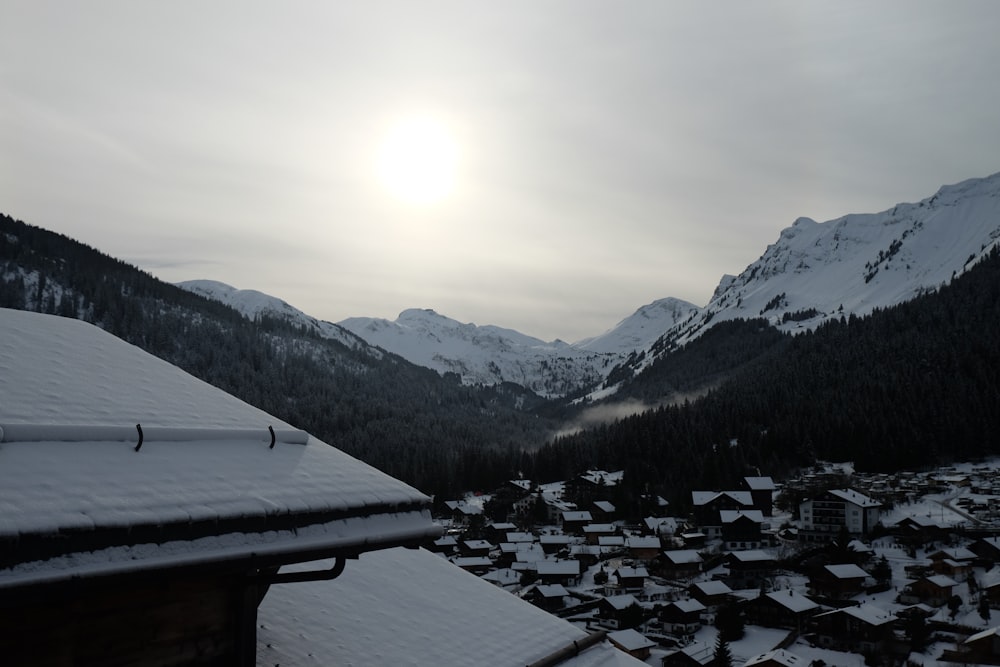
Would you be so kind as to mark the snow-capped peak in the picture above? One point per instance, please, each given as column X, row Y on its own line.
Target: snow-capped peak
column 854, row 264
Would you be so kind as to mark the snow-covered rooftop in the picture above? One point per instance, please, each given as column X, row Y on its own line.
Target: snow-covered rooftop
column 205, row 483
column 411, row 608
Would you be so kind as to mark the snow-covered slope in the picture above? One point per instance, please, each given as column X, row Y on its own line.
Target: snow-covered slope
column 637, row 331
column 254, row 304
column 484, row 354
column 854, row 264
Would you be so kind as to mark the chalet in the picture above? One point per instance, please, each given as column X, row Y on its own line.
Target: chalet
column 781, row 609
column 982, row 647
column 520, row 537
column 631, row 579
column 631, row 642
column 661, row 526
column 613, row 543
column 593, row 531
column 565, row 572
column 549, row 597
column 586, row 554
column 777, row 658
column 189, row 517
column 955, row 563
column 504, row 577
column 614, row 611
column 573, row 521
column 474, row 564
column 446, row 544
column 603, row 510
column 741, row 529
column 497, row 531
column 748, row 569
column 825, row 515
column 761, row 492
column 706, row 506
column 710, row 593
column 156, row 543
column 697, row 654
column 840, row 582
column 643, row 549
column 591, row 485
column 682, row 617
column 934, row 590
column 475, row 548
column 916, row 530
column 987, row 549
column 552, row 544
column 462, row 512
column 861, row 629
column 679, row 564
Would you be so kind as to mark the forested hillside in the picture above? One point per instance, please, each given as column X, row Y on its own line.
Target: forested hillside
column 910, row 386
column 407, row 420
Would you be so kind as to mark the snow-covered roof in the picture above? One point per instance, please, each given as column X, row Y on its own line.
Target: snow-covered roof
column 846, row 571
column 689, row 605
column 751, row 556
column 868, row 613
column 760, row 483
column 561, row 567
column 982, row 635
column 620, row 602
column 552, row 590
column 603, row 477
column 635, row 542
column 855, row 498
column 632, row 572
column 679, row 556
column 611, row 540
column 604, row 506
column 713, row 587
column 729, row 516
column 520, row 537
column 794, row 602
column 432, row 614
column 599, row 528
column 630, row 640
column 577, row 515
column 205, row 485
column 942, row 581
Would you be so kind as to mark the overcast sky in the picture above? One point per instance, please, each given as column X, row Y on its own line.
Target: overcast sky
column 606, row 154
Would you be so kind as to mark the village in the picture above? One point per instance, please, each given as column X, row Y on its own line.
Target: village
column 832, row 567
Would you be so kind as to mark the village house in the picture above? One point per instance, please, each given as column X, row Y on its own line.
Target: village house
column 632, row 642
column 955, row 562
column 710, row 593
column 749, row 569
column 839, row 582
column 474, row 564
column 565, row 572
column 679, row 564
column 550, row 597
column 593, row 531
column 618, row 611
column 864, row 629
column 603, row 510
column 987, row 549
column 934, row 590
column 682, row 617
column 475, row 548
column 643, row 549
column 552, row 544
column 698, row 654
column 462, row 512
column 980, row 648
column 706, row 506
column 573, row 521
column 741, row 529
column 916, row 530
column 611, row 543
column 631, row 579
column 761, row 492
column 592, row 485
column 823, row 517
column 781, row 609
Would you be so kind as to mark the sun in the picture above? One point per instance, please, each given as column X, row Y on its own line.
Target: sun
column 417, row 160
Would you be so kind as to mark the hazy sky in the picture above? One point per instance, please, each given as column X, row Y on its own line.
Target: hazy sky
column 603, row 154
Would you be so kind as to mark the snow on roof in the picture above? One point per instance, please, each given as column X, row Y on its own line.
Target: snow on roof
column 942, row 581
column 713, row 587
column 552, row 590
column 620, row 602
column 678, row 556
column 577, row 516
column 751, row 555
column 599, row 528
column 776, row 657
column 792, row 601
column 703, row 497
column 554, row 539
column 982, row 635
column 604, row 506
column 729, row 516
column 435, row 614
column 632, row 572
column 611, row 540
column 630, row 640
column 520, row 537
column 852, row 496
column 205, row 484
column 760, row 483
column 846, row 571
column 603, row 477
column 643, row 542
column 688, row 605
column 561, row 567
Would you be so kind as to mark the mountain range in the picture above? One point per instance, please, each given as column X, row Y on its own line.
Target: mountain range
column 813, row 273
